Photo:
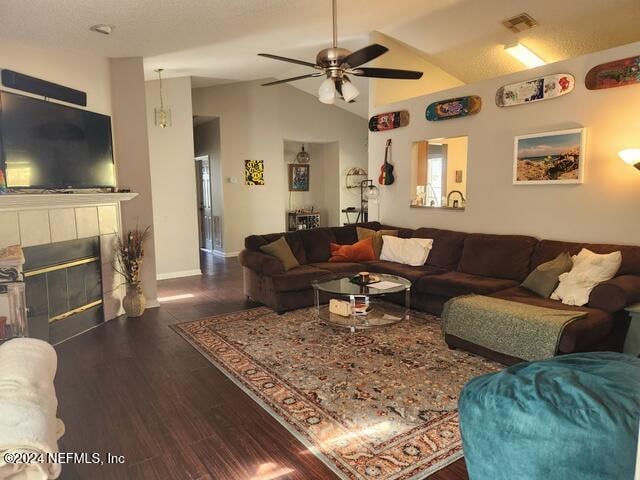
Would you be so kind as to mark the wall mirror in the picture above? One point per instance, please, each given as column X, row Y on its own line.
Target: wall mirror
column 439, row 173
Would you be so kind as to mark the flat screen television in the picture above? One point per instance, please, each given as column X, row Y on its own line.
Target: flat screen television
column 45, row 145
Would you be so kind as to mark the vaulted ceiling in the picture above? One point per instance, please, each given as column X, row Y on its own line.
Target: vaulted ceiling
column 216, row 41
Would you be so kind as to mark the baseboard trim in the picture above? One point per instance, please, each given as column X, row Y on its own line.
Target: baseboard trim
column 221, row 254
column 183, row 273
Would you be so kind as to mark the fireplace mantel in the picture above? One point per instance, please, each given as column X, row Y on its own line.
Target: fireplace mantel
column 52, row 200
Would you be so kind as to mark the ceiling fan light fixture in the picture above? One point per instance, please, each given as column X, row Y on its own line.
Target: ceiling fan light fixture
column 327, row 91
column 349, row 91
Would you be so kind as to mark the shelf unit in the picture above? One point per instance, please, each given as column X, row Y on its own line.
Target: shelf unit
column 302, row 221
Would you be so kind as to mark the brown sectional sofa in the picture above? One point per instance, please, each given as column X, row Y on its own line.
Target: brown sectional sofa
column 459, row 263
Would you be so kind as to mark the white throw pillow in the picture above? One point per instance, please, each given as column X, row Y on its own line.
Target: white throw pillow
column 410, row 251
column 589, row 269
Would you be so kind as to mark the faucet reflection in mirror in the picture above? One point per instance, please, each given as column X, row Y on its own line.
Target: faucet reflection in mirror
column 439, row 170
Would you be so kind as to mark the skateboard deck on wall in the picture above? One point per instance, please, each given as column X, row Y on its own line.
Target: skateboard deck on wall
column 389, row 121
column 535, row 90
column 453, row 108
column 614, row 74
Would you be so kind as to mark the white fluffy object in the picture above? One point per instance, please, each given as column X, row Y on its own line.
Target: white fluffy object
column 410, row 251
column 589, row 269
column 28, row 407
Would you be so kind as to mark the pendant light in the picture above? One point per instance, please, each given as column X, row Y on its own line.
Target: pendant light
column 162, row 115
column 303, row 156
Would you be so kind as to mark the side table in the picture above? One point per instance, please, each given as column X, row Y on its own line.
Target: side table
column 632, row 342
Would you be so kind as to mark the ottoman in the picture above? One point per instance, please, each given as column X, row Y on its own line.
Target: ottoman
column 570, row 417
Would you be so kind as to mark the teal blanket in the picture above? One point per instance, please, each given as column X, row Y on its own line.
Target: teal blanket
column 571, row 417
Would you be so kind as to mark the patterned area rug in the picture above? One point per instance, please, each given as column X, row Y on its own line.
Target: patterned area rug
column 377, row 404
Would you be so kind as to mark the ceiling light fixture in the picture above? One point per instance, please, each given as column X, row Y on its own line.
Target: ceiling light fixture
column 162, row 115
column 103, row 28
column 303, row 156
column 349, row 91
column 327, row 91
column 524, row 55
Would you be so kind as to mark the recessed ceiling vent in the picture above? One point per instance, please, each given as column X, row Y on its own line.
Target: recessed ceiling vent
column 520, row 23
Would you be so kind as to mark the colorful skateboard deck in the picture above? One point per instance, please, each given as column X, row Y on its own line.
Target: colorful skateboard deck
column 535, row 90
column 614, row 74
column 453, row 108
column 389, row 121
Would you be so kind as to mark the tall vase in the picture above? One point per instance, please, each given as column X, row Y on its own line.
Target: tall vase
column 134, row 302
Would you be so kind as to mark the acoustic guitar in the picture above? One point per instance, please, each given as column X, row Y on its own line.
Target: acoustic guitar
column 386, row 170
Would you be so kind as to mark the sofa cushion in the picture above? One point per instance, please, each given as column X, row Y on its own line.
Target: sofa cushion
column 447, row 247
column 376, row 237
column 549, row 249
column 497, row 256
column 453, row 284
column 299, row 278
column 281, row 250
column 409, row 251
column 360, row 251
column 316, row 243
column 544, row 279
column 254, row 242
column 399, row 269
column 340, row 267
column 579, row 334
column 345, row 235
column 589, row 269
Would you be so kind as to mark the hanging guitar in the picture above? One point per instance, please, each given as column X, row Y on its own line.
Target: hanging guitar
column 386, row 171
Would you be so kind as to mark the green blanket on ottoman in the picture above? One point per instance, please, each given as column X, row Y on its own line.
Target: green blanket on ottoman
column 512, row 328
column 570, row 417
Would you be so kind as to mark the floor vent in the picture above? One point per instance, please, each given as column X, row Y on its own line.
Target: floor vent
column 520, row 23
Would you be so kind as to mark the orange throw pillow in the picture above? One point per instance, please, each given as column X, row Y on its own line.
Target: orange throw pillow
column 361, row 251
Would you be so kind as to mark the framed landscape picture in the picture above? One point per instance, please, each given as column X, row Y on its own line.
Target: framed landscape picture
column 298, row 177
column 549, row 157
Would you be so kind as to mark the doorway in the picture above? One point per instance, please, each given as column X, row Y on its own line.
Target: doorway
column 205, row 209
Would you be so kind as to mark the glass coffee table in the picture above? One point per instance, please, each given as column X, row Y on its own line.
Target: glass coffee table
column 379, row 313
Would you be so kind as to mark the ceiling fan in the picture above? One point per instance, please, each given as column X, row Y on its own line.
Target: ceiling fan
column 335, row 63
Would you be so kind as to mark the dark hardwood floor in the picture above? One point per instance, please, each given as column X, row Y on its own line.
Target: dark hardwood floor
column 133, row 387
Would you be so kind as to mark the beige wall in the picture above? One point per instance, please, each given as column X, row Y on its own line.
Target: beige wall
column 254, row 122
column 456, row 160
column 173, row 180
column 603, row 209
column 404, row 57
column 324, row 184
column 132, row 153
column 83, row 72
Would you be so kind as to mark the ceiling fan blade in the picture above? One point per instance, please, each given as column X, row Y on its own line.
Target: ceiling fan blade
column 364, row 55
column 290, row 60
column 285, row 80
column 387, row 73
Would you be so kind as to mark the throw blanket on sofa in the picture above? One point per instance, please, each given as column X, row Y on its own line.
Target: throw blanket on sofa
column 512, row 328
column 28, row 406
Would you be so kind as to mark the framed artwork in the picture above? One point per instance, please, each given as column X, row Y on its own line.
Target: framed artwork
column 254, row 172
column 549, row 158
column 298, row 177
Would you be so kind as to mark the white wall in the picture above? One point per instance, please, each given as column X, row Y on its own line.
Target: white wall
column 132, row 158
column 603, row 209
column 254, row 122
column 173, row 180
column 83, row 72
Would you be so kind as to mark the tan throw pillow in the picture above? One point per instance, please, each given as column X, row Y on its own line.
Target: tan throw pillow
column 544, row 279
column 282, row 251
column 377, row 237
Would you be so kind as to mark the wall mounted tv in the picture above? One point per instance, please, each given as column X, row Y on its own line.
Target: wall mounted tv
column 45, row 145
